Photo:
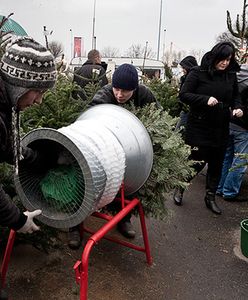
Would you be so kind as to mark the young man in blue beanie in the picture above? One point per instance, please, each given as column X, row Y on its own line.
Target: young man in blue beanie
column 125, row 88
column 27, row 70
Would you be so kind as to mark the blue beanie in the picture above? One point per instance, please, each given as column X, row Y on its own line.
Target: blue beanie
column 125, row 77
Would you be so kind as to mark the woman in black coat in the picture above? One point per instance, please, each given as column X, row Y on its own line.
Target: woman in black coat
column 211, row 92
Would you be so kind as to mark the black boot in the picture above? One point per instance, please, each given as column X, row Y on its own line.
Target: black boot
column 211, row 204
column 178, row 196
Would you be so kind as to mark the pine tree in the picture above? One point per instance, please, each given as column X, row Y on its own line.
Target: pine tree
column 241, row 29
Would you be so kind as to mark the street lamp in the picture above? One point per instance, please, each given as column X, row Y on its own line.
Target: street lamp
column 71, row 44
column 164, row 44
column 93, row 29
column 159, row 28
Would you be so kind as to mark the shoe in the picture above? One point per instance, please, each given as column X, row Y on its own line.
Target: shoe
column 74, row 239
column 211, row 204
column 126, row 229
column 178, row 196
column 235, row 199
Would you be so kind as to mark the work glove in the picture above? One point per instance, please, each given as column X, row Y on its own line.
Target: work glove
column 30, row 226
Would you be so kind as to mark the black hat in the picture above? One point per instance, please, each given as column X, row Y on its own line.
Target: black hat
column 125, row 77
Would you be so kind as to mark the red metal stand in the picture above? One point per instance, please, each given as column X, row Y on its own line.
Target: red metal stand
column 81, row 267
column 6, row 259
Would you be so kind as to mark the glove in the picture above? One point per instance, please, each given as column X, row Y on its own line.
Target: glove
column 30, row 226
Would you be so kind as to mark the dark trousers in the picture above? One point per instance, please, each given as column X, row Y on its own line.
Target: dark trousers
column 213, row 157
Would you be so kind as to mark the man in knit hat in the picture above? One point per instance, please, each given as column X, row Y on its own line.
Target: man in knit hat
column 27, row 70
column 125, row 88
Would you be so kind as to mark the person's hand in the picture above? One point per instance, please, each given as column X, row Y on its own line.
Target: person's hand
column 28, row 154
column 212, row 101
column 237, row 113
column 30, row 226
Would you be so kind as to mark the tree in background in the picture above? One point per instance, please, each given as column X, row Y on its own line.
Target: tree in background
column 239, row 30
column 138, row 51
column 110, row 52
column 56, row 49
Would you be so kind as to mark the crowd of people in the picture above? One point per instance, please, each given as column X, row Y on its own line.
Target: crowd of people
column 213, row 121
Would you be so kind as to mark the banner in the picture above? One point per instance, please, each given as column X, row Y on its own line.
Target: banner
column 77, row 47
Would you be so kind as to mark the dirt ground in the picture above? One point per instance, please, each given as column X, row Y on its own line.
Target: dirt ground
column 196, row 256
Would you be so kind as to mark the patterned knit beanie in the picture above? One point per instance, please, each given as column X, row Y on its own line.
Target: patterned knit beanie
column 28, row 64
column 125, row 77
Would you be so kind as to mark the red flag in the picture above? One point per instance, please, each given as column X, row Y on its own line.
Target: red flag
column 77, row 46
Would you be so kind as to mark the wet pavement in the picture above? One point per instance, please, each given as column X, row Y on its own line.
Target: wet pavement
column 196, row 256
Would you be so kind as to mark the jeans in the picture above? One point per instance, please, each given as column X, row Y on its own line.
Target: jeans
column 231, row 180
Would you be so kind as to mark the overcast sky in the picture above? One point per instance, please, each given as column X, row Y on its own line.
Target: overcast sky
column 187, row 24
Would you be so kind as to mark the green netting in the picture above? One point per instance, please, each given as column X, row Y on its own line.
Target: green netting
column 61, row 187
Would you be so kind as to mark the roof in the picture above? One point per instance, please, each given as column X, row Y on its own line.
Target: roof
column 11, row 25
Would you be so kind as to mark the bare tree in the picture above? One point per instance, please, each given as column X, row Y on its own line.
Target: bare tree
column 197, row 53
column 56, row 48
column 138, row 51
column 110, row 52
column 228, row 37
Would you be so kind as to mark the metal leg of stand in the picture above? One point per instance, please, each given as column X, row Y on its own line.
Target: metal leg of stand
column 145, row 235
column 5, row 264
column 81, row 267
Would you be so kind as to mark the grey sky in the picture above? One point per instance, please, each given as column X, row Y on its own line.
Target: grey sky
column 189, row 24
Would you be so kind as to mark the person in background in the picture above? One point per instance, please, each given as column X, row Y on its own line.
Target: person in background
column 93, row 70
column 232, row 176
column 211, row 91
column 187, row 63
column 27, row 70
column 125, row 88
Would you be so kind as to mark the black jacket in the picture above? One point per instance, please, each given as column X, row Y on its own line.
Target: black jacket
column 209, row 125
column 141, row 96
column 90, row 72
column 10, row 215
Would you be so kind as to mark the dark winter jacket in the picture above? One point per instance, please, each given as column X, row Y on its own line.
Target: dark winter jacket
column 9, row 214
column 91, row 73
column 209, row 125
column 141, row 96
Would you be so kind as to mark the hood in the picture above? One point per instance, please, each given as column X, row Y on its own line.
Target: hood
column 209, row 59
column 188, row 63
column 14, row 93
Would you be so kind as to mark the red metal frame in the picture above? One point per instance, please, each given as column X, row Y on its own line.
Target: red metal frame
column 81, row 267
column 6, row 258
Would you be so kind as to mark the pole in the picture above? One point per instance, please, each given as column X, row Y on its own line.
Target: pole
column 164, row 45
column 71, row 44
column 159, row 28
column 143, row 67
column 93, row 28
